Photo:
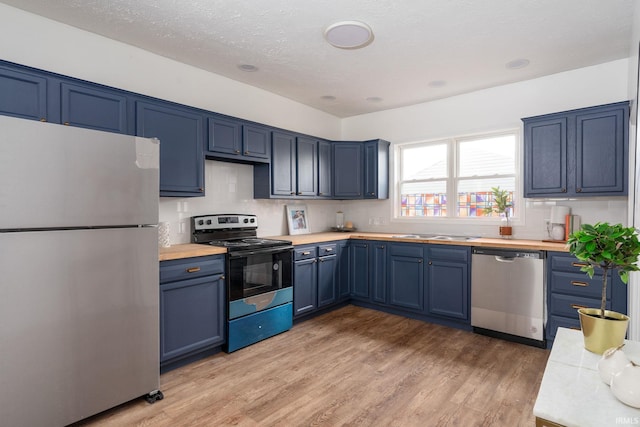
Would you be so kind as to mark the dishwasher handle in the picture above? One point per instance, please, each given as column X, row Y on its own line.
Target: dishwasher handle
column 505, row 259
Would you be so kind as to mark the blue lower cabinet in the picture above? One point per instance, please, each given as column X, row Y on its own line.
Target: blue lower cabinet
column 406, row 280
column 344, row 271
column 448, row 289
column 327, row 274
column 256, row 327
column 192, row 309
column 359, row 274
column 378, row 274
column 191, row 316
column 448, row 281
column 305, row 285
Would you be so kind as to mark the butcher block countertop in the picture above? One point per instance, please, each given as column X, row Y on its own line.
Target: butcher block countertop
column 304, row 239
column 188, row 250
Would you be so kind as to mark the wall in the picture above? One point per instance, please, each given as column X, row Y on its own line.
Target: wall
column 498, row 108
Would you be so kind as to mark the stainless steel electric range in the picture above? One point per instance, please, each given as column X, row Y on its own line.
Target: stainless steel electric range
column 259, row 277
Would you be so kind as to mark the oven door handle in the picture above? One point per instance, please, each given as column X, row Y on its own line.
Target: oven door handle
column 238, row 254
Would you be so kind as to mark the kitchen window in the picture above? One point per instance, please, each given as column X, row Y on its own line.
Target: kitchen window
column 453, row 178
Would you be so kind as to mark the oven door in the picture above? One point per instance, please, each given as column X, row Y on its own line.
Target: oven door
column 259, row 279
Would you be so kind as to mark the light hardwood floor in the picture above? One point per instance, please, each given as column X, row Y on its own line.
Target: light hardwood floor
column 353, row 366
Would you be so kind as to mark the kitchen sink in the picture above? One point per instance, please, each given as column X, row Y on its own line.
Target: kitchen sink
column 445, row 237
column 454, row 238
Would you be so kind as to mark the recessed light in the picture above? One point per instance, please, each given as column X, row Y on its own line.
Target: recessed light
column 374, row 99
column 517, row 63
column 437, row 83
column 248, row 68
column 349, row 34
column 328, row 97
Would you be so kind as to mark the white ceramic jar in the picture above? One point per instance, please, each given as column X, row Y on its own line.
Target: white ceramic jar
column 625, row 385
column 613, row 361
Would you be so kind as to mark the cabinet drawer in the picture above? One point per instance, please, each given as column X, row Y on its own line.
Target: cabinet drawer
column 568, row 305
column 556, row 322
column 578, row 284
column 305, row 252
column 449, row 253
column 408, row 250
column 191, row 267
column 567, row 263
column 328, row 249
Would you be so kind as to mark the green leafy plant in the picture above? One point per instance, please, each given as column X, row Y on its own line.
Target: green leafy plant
column 501, row 203
column 606, row 246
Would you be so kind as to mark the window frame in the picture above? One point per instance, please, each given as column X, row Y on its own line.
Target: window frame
column 453, row 179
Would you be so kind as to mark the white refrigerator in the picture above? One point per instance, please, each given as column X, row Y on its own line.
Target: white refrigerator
column 78, row 271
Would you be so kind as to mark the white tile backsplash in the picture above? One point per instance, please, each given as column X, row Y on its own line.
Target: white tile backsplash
column 229, row 190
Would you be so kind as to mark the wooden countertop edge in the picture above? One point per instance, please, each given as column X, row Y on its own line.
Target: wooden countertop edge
column 304, row 239
column 189, row 250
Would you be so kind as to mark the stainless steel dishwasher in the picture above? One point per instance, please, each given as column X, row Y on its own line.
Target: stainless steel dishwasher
column 508, row 294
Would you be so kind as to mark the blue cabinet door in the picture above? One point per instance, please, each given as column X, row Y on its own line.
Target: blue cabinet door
column 448, row 289
column 601, row 152
column 283, row 164
column 94, row 108
column 191, row 316
column 180, row 131
column 359, row 260
column 327, row 274
column 545, row 148
column 378, row 275
column 376, row 169
column 344, row 270
column 306, row 166
column 348, row 164
column 225, row 136
column 256, row 141
column 406, row 282
column 324, row 169
column 578, row 153
column 305, row 287
column 23, row 95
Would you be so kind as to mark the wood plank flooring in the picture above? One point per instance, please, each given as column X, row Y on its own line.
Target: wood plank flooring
column 353, row 366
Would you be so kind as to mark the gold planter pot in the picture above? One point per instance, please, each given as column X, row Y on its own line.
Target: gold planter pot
column 602, row 334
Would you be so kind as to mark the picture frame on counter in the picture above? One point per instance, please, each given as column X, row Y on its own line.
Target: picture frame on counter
column 297, row 219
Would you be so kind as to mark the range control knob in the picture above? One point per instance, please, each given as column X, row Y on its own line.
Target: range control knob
column 253, row 220
column 200, row 222
column 246, row 220
column 208, row 222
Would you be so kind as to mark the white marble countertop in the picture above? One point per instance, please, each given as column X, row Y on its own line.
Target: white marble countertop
column 572, row 393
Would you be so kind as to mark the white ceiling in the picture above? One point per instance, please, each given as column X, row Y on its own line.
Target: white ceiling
column 418, row 43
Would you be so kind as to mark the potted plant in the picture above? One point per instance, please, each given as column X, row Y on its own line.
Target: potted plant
column 609, row 248
column 501, row 206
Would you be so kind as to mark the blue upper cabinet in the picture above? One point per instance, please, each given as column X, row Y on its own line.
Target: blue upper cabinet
column 361, row 170
column 94, row 108
column 376, row 169
column 293, row 172
column 306, row 166
column 324, row 169
column 577, row 153
column 238, row 141
column 348, row 166
column 180, row 131
column 283, row 164
column 24, row 94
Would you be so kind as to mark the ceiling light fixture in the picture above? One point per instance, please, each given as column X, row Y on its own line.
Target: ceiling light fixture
column 517, row 63
column 248, row 68
column 328, row 97
column 374, row 99
column 349, row 35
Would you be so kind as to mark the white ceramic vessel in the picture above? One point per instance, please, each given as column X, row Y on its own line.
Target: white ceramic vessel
column 613, row 361
column 625, row 385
